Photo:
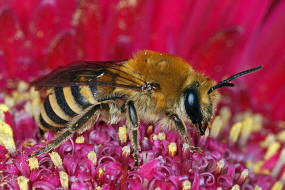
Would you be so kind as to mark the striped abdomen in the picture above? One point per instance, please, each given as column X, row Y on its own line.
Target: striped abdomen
column 63, row 103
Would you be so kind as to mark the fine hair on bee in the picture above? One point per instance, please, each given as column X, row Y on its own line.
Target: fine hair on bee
column 151, row 86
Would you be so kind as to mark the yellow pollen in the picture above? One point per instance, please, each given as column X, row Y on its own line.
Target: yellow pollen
column 80, row 140
column 76, row 17
column 244, row 173
column 277, row 186
column 281, row 136
column 35, row 97
column 257, row 188
column 56, row 160
column 98, row 188
column 243, row 176
column 235, row 131
column 271, row 150
column 225, row 114
column 154, row 137
column 258, row 122
column 92, row 156
column 123, row 135
column 149, row 129
column 283, row 177
column 220, row 165
column 186, row 185
column 157, row 188
column 126, row 150
column 219, row 188
column 6, row 137
column 172, row 148
column 236, row 187
column 265, row 172
column 279, row 164
column 33, row 163
column 63, row 176
column 9, row 101
column 100, row 172
column 22, row 86
column 268, row 141
column 255, row 167
column 247, row 124
column 23, row 182
column 161, row 136
column 216, row 127
column 4, row 108
column 28, row 143
column 207, row 133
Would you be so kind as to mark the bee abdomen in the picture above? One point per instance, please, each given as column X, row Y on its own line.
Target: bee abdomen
column 79, row 98
column 63, row 103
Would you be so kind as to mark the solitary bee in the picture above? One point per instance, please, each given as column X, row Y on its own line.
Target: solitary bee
column 153, row 87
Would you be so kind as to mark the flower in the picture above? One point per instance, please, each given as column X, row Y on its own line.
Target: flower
column 245, row 146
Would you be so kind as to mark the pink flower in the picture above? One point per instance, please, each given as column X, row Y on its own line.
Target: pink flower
column 245, row 147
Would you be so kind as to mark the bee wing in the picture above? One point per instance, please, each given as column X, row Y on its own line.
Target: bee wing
column 101, row 73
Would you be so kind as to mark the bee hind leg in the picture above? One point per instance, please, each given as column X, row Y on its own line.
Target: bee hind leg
column 79, row 122
column 133, row 127
column 182, row 130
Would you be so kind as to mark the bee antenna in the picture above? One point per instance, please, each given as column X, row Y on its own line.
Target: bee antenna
column 227, row 83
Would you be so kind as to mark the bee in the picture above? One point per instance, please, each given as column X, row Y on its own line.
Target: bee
column 153, row 87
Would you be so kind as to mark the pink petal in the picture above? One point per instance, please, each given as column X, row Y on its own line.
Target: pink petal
column 63, row 50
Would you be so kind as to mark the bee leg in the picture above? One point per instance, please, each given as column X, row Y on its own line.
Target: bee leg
column 183, row 131
column 79, row 123
column 133, row 125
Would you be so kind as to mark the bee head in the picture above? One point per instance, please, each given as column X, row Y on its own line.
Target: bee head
column 200, row 101
column 199, row 106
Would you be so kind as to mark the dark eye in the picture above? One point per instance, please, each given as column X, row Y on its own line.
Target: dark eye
column 192, row 105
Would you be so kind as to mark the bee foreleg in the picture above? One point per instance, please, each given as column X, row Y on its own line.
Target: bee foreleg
column 133, row 126
column 181, row 128
column 74, row 126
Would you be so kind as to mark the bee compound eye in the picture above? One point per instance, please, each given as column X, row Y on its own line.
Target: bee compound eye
column 192, row 105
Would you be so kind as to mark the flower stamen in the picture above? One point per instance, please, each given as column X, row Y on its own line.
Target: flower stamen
column 161, row 136
column 56, row 159
column 279, row 164
column 122, row 133
column 268, row 141
column 247, row 125
column 186, row 185
column 220, row 166
column 33, row 163
column 149, row 130
column 92, row 156
column 80, row 140
column 235, row 187
column 277, row 186
column 100, row 173
column 243, row 176
column 63, row 176
column 235, row 132
column 126, row 151
column 225, row 115
column 216, row 127
column 6, row 137
column 172, row 149
column 23, row 182
column 272, row 149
